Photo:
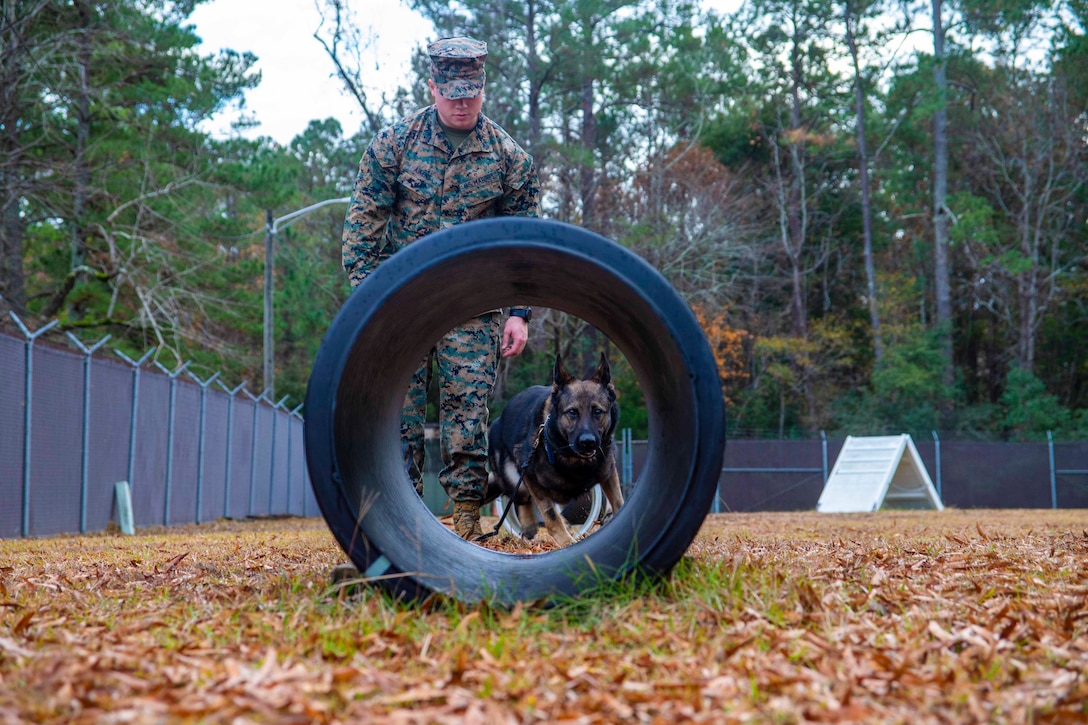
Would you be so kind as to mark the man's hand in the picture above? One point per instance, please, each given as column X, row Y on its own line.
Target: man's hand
column 514, row 336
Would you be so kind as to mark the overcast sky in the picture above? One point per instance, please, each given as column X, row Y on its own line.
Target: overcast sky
column 297, row 81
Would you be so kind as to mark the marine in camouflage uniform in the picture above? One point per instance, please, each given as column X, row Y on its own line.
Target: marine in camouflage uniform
column 444, row 165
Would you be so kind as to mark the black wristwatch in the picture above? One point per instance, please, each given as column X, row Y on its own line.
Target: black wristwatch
column 525, row 313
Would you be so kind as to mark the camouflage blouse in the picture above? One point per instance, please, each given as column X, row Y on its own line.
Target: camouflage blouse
column 412, row 182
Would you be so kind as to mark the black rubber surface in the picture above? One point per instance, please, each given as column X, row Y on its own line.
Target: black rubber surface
column 357, row 385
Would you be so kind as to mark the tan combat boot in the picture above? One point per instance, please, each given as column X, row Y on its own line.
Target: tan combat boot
column 466, row 519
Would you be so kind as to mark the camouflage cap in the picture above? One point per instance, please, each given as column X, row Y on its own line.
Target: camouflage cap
column 457, row 66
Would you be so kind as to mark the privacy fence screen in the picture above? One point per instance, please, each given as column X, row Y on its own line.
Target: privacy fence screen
column 74, row 422
column 789, row 475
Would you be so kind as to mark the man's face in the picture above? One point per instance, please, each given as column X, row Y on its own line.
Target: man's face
column 461, row 113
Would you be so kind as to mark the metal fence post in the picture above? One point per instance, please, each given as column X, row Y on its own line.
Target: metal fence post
column 823, row 450
column 200, row 441
column 135, row 407
column 716, row 507
column 253, row 450
column 290, row 471
column 170, row 436
column 937, row 463
column 86, row 434
column 1053, row 472
column 628, row 452
column 28, row 397
column 230, row 443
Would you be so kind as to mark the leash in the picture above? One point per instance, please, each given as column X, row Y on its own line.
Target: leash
column 505, row 511
column 541, row 435
column 546, row 436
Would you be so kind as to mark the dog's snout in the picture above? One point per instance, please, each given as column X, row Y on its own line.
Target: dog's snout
column 587, row 442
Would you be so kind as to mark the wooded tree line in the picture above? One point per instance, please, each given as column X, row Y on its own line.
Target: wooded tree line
column 876, row 208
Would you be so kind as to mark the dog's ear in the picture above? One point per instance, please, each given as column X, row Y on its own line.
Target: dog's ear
column 561, row 375
column 613, row 416
column 604, row 373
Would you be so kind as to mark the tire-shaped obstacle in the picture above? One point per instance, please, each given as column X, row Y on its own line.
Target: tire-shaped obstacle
column 390, row 321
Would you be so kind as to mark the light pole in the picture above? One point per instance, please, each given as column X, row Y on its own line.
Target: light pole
column 271, row 227
column 270, row 231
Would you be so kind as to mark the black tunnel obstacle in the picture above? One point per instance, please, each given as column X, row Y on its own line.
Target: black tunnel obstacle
column 357, row 384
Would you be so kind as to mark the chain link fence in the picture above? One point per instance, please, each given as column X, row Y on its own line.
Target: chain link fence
column 789, row 475
column 194, row 450
column 75, row 420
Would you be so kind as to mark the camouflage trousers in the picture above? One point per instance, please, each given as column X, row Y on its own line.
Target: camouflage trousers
column 465, row 361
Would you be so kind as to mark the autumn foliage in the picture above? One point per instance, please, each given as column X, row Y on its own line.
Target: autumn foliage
column 727, row 344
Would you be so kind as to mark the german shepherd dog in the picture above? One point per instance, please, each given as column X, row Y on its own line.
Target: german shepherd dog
column 558, row 442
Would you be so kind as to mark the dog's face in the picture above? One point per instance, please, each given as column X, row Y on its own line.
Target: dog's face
column 585, row 411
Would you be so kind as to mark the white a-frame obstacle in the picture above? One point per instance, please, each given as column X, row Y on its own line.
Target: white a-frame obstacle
column 878, row 472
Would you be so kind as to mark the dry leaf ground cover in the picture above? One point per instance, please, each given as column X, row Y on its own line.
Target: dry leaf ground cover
column 919, row 617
